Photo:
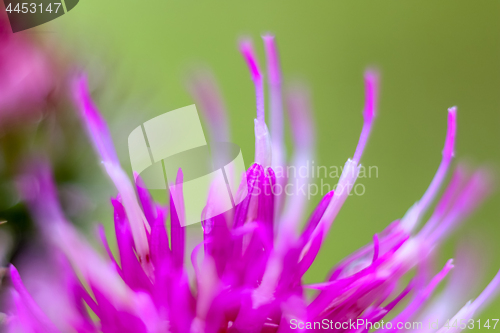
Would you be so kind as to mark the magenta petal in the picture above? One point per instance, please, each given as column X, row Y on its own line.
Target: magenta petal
column 104, row 241
column 266, row 202
column 218, row 242
column 250, row 319
column 181, row 303
column 160, row 251
column 132, row 272
column 36, row 315
column 422, row 296
column 253, row 179
column 311, row 252
column 96, row 126
column 147, row 203
column 178, row 236
column 316, row 216
column 115, row 321
column 204, row 89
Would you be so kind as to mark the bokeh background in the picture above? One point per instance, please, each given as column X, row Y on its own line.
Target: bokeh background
column 431, row 55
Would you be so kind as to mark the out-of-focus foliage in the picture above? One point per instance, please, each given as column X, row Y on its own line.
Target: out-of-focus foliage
column 36, row 118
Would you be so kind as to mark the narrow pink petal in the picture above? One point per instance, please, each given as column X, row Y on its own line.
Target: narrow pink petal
column 351, row 169
column 250, row 252
column 177, row 231
column 273, row 62
column 344, row 187
column 275, row 102
column 475, row 192
column 208, row 288
column 487, row 294
column 132, row 273
column 376, row 247
column 147, row 203
column 399, row 298
column 266, row 202
column 243, row 210
column 263, row 146
column 471, row 308
column 38, row 190
column 207, row 94
column 96, row 126
column 358, row 282
column 39, row 319
column 369, row 112
column 246, row 49
column 377, row 314
column 246, row 211
column 311, row 249
column 415, row 213
column 114, row 320
column 461, row 286
column 182, row 305
column 352, row 300
column 419, row 300
column 218, row 242
column 318, row 212
column 263, row 149
column 299, row 111
column 102, row 236
column 251, row 319
column 99, row 134
column 159, row 244
column 287, row 234
column 448, row 153
column 449, row 197
column 298, row 101
column 449, row 146
column 364, row 256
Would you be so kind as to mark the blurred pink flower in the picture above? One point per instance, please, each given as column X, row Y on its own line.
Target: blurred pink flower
column 250, row 278
column 26, row 77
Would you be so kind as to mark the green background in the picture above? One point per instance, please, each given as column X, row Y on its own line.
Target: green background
column 431, row 54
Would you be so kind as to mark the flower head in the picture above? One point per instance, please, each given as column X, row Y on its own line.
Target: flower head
column 249, row 278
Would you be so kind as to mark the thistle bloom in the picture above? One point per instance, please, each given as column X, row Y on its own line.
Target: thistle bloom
column 249, row 278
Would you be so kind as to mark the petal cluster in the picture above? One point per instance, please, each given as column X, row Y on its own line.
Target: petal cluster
column 250, row 266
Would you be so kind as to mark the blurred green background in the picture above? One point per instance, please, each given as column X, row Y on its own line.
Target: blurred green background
column 431, row 54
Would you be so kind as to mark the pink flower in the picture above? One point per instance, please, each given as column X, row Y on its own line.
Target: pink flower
column 250, row 277
column 26, row 77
